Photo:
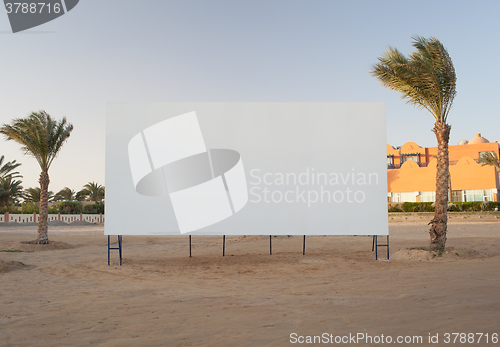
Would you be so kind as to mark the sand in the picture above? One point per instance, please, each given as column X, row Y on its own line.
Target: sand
column 67, row 295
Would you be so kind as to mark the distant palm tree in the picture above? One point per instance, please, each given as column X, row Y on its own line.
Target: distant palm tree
column 10, row 190
column 489, row 158
column 94, row 191
column 426, row 78
column 41, row 137
column 33, row 194
column 81, row 195
column 7, row 168
column 65, row 194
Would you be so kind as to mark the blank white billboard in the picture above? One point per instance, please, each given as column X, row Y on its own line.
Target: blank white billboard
column 246, row 169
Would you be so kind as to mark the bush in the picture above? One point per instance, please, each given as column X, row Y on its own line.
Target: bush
column 96, row 208
column 69, row 207
column 469, row 206
column 395, row 208
column 418, row 207
column 491, row 205
column 452, row 207
column 12, row 209
column 407, row 206
column 29, row 208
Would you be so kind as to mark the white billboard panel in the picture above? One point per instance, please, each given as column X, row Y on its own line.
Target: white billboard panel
column 246, row 169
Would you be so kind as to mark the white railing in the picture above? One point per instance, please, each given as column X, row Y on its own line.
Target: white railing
column 67, row 218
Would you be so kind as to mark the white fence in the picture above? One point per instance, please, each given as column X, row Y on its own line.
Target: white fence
column 67, row 218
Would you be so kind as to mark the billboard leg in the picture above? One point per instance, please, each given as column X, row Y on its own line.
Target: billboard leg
column 387, row 247
column 108, row 250
column 120, row 242
column 270, row 245
column 223, row 245
column 376, row 246
column 189, row 246
column 119, row 248
column 304, row 246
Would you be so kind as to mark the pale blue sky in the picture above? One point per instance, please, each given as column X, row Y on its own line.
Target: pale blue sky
column 158, row 51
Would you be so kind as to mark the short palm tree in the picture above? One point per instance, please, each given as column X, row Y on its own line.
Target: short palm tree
column 33, row 194
column 81, row 195
column 94, row 191
column 489, row 158
column 7, row 168
column 426, row 79
column 41, row 137
column 65, row 194
column 10, row 190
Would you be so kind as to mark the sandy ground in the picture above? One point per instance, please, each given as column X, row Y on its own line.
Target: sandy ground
column 69, row 296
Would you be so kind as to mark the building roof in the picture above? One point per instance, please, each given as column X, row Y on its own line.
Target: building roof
column 477, row 140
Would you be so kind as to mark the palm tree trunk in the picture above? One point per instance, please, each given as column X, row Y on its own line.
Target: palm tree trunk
column 439, row 224
column 43, row 227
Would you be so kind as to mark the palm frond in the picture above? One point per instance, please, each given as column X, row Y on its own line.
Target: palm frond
column 426, row 78
column 6, row 170
column 65, row 194
column 94, row 191
column 489, row 158
column 39, row 136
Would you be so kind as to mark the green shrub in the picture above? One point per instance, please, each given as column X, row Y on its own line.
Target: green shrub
column 395, row 208
column 29, row 208
column 470, row 206
column 491, row 205
column 452, row 207
column 407, row 206
column 69, row 207
column 12, row 209
column 96, row 208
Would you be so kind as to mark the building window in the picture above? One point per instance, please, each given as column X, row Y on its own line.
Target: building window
column 395, row 197
column 410, row 156
column 457, row 196
column 407, row 197
column 413, row 157
column 427, row 196
column 478, row 195
column 390, row 162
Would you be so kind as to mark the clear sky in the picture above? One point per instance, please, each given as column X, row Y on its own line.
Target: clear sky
column 166, row 51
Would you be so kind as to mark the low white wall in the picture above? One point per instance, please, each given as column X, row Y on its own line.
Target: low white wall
column 67, row 218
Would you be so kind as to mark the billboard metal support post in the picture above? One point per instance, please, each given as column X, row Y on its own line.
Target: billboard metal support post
column 304, row 246
column 189, row 246
column 375, row 246
column 119, row 248
column 223, row 245
column 270, row 245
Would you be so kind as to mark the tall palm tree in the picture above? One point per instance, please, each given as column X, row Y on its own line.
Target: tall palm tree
column 7, row 168
column 94, row 191
column 41, row 137
column 426, row 79
column 65, row 194
column 489, row 158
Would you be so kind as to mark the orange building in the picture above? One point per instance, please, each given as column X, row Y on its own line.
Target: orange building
column 411, row 172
